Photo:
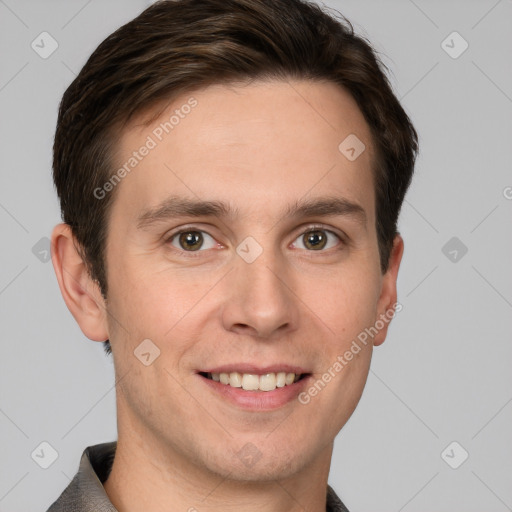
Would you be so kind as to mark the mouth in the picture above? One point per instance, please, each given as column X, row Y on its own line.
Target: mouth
column 255, row 388
column 255, row 381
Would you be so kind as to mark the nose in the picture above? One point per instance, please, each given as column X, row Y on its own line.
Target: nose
column 260, row 301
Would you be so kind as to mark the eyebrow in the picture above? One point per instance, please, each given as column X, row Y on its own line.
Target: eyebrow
column 175, row 207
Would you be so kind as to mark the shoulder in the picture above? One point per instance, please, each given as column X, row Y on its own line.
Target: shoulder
column 334, row 504
column 85, row 493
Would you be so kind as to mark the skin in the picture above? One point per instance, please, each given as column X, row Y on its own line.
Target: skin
column 259, row 147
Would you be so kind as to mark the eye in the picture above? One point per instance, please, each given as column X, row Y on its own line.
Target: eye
column 317, row 239
column 314, row 239
column 191, row 240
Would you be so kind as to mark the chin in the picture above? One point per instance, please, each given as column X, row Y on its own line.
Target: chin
column 259, row 472
column 249, row 464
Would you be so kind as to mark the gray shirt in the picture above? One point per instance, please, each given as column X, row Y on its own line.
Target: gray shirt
column 85, row 493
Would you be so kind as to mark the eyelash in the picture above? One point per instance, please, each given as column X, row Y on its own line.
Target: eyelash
column 195, row 254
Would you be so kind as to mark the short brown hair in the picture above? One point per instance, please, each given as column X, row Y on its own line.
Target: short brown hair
column 177, row 46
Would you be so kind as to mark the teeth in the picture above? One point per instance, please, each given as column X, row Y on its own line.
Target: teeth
column 268, row 382
column 290, row 377
column 281, row 379
column 252, row 382
column 235, row 380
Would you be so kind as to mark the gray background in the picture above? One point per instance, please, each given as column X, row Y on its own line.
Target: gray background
column 443, row 374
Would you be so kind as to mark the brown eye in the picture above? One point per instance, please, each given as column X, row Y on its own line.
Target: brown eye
column 191, row 240
column 317, row 239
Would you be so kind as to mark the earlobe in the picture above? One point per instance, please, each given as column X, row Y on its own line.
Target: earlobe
column 80, row 292
column 388, row 296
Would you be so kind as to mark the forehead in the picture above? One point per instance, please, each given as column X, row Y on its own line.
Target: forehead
column 259, row 144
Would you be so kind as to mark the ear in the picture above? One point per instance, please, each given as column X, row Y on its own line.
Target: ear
column 388, row 295
column 80, row 292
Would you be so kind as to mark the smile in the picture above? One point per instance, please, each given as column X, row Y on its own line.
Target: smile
column 255, row 388
column 255, row 382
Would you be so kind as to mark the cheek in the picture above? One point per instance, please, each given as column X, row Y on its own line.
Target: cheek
column 137, row 304
column 334, row 394
column 165, row 308
column 140, row 294
column 346, row 301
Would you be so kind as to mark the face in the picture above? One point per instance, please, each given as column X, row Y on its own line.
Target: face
column 247, row 292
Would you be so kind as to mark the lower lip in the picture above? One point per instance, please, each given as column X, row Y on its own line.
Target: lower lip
column 257, row 400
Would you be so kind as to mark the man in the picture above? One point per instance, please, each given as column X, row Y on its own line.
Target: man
column 230, row 176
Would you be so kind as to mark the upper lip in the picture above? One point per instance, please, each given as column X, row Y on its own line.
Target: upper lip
column 255, row 369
